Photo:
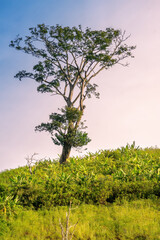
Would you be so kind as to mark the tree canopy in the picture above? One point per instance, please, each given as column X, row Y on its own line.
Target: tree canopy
column 69, row 58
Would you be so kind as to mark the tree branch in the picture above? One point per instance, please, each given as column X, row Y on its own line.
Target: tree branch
column 58, row 91
column 64, row 71
column 91, row 69
column 95, row 74
column 65, row 88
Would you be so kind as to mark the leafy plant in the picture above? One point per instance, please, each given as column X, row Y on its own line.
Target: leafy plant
column 100, row 178
column 8, row 206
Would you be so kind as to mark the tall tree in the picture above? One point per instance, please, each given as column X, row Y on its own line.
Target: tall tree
column 69, row 59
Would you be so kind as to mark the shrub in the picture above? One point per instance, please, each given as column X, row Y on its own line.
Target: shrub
column 106, row 176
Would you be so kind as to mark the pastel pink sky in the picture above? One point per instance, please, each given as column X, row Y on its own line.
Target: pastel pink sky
column 128, row 108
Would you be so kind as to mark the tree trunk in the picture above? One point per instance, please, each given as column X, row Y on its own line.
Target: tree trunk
column 65, row 153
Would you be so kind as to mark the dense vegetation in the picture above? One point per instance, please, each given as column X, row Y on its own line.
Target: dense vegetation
column 117, row 192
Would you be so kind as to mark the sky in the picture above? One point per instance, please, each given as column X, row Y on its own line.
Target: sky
column 128, row 108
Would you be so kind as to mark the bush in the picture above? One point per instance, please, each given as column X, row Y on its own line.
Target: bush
column 100, row 178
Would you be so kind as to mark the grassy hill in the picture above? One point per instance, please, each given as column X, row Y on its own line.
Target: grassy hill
column 116, row 191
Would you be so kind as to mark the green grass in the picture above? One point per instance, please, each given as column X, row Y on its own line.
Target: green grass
column 135, row 220
column 117, row 192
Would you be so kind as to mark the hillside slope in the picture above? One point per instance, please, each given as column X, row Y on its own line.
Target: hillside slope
column 115, row 192
column 104, row 177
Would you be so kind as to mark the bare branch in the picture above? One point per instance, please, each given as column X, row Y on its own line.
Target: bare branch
column 76, row 98
column 62, row 230
column 92, row 69
column 73, row 229
column 65, row 231
column 96, row 73
column 65, row 88
column 67, row 62
column 30, row 161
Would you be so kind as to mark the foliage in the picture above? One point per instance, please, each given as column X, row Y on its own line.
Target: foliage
column 104, row 177
column 8, row 206
column 60, row 123
column 69, row 59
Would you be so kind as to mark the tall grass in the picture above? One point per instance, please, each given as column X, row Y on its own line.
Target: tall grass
column 135, row 220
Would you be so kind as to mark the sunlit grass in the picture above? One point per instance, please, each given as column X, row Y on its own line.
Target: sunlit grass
column 131, row 220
